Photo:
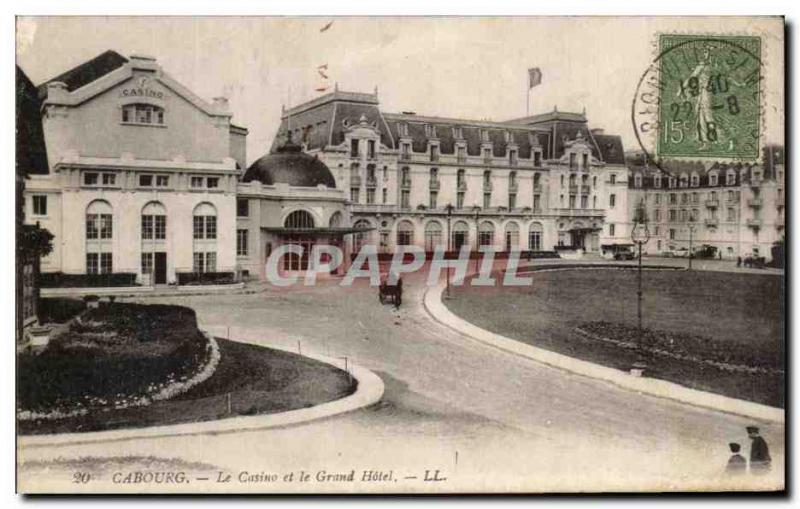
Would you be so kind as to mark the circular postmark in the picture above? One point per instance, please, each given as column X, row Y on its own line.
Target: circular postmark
column 700, row 98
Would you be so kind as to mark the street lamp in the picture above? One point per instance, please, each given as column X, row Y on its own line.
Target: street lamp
column 691, row 252
column 640, row 235
column 449, row 209
column 477, row 211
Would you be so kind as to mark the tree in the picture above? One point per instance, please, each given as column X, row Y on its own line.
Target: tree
column 33, row 242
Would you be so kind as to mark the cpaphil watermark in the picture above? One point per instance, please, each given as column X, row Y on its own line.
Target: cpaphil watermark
column 328, row 259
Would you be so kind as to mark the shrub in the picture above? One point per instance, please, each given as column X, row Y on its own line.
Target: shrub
column 206, row 278
column 61, row 280
column 59, row 310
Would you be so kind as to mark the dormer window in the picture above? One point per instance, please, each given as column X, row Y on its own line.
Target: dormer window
column 458, row 133
column 403, row 128
column 684, row 181
column 657, row 180
column 430, row 131
column 695, row 180
column 731, row 178
column 145, row 114
column 484, row 135
column 637, row 180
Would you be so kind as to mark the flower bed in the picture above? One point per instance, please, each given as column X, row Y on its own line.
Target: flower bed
column 115, row 356
column 733, row 357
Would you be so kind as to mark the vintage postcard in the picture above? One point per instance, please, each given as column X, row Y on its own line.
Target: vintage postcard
column 386, row 255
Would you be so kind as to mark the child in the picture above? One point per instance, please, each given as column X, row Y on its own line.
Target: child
column 737, row 465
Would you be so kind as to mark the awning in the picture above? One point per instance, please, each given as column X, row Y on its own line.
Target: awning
column 332, row 231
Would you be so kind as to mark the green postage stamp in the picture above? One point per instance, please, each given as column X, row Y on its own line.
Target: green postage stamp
column 709, row 104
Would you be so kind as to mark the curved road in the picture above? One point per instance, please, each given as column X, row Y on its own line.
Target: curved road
column 486, row 420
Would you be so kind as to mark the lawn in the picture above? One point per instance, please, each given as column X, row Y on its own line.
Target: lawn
column 259, row 381
column 704, row 311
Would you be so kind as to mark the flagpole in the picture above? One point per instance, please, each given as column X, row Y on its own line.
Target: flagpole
column 528, row 101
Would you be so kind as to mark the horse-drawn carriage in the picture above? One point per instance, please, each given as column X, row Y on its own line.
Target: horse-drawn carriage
column 391, row 292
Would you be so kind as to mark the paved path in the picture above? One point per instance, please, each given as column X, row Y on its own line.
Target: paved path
column 487, row 420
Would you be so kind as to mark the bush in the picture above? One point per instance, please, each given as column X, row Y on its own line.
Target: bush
column 59, row 310
column 61, row 280
column 206, row 278
column 118, row 350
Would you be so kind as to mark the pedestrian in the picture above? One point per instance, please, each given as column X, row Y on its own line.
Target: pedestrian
column 737, row 465
column 759, row 452
column 738, row 261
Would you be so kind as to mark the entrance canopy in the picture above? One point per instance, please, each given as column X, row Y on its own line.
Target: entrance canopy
column 334, row 231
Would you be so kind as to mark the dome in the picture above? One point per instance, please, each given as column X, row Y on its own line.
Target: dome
column 290, row 165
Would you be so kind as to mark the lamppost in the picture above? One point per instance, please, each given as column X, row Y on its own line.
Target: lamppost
column 640, row 235
column 449, row 209
column 691, row 252
column 477, row 211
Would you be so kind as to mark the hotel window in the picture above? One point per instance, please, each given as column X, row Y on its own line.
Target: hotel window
column 695, row 180
column 584, row 201
column 242, row 207
column 154, row 222
column 673, row 199
column 458, row 133
column 673, row 215
column 405, row 177
column 731, row 214
column 370, row 196
column 572, row 201
column 432, row 199
column 657, row 199
column 460, row 182
column 142, row 114
column 371, row 149
column 204, row 262
column 145, row 180
column 535, row 237
column 487, row 178
column 512, row 200
column 487, row 200
column 512, row 157
column 684, row 181
column 461, row 153
column 162, row 180
column 656, row 231
column 405, row 234
column 684, row 199
column 612, row 200
column 434, row 152
column 594, row 202
column 90, row 179
column 353, row 148
column 487, row 154
column 354, row 194
column 672, row 182
column 433, row 235
column 692, row 215
column 460, row 200
column 99, row 226
column 657, row 215
column 712, row 179
column 212, row 182
column 486, row 234
column 39, row 205
column 537, row 202
column 241, row 242
column 611, row 229
column 537, row 158
column 109, row 179
column 197, row 182
column 512, row 179
column 572, row 161
column 99, row 263
column 731, row 178
column 695, row 198
column 637, row 180
column 671, row 234
column 657, row 180
column 405, row 151
column 405, row 198
column 385, row 195
column 612, row 178
column 585, row 161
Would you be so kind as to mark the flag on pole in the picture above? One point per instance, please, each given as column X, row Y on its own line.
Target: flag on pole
column 321, row 70
column 326, row 27
column 534, row 77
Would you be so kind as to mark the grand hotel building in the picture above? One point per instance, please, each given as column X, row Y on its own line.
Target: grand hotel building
column 146, row 178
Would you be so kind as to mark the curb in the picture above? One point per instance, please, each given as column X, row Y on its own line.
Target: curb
column 432, row 301
column 368, row 392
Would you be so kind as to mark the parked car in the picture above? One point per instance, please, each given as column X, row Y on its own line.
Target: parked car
column 681, row 252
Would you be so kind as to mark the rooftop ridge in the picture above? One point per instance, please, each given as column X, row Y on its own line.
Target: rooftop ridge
column 336, row 95
column 463, row 121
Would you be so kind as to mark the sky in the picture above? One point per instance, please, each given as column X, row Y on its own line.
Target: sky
column 473, row 68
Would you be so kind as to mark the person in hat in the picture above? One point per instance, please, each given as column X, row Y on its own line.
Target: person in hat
column 736, row 464
column 759, row 452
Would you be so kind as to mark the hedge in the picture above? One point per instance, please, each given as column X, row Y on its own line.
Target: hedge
column 61, row 280
column 206, row 278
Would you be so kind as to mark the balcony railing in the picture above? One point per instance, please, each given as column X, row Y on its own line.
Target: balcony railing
column 573, row 189
column 712, row 203
column 405, row 184
column 462, row 185
column 487, row 185
column 712, row 221
column 755, row 203
column 754, row 223
column 586, row 189
column 537, row 188
column 405, row 156
column 434, row 184
column 355, row 180
column 755, row 182
column 513, row 186
column 580, row 212
column 372, row 182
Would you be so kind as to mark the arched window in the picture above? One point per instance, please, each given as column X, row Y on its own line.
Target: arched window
column 299, row 219
column 535, row 237
column 460, row 235
column 204, row 257
column 512, row 236
column 433, row 235
column 99, row 234
column 143, row 114
column 154, row 221
column 363, row 238
column 486, row 234
column 405, row 233
column 335, row 220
